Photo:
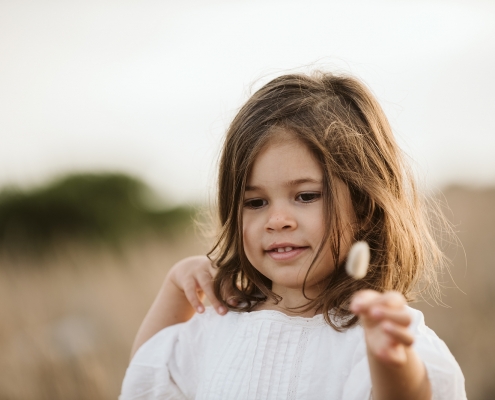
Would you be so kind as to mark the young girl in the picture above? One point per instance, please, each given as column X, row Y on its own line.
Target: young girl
column 309, row 166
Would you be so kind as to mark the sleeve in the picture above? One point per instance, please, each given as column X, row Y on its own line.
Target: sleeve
column 167, row 366
column 444, row 373
column 358, row 383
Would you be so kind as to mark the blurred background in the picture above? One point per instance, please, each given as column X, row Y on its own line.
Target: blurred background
column 111, row 119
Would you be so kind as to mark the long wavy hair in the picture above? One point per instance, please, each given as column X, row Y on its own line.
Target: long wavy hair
column 346, row 130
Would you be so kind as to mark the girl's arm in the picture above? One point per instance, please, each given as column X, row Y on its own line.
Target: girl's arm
column 179, row 298
column 396, row 369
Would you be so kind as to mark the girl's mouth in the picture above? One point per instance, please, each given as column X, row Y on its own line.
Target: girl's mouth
column 285, row 252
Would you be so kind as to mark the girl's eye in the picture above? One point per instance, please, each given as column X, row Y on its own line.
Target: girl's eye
column 308, row 197
column 255, row 203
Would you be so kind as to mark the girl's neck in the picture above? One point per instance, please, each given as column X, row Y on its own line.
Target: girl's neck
column 267, row 305
column 292, row 303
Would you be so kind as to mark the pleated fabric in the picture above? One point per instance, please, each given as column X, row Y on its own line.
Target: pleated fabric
column 269, row 355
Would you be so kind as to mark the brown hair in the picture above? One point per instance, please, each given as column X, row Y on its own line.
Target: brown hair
column 343, row 125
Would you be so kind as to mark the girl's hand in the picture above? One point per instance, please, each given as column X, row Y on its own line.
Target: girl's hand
column 194, row 277
column 181, row 295
column 385, row 320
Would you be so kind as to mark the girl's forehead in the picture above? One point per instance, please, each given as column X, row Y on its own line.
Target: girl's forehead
column 285, row 161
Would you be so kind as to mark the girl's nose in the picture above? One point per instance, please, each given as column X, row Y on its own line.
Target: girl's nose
column 280, row 220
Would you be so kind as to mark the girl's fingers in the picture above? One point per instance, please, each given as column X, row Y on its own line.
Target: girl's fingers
column 399, row 333
column 191, row 293
column 392, row 299
column 362, row 300
column 206, row 284
column 365, row 299
column 194, row 277
column 401, row 317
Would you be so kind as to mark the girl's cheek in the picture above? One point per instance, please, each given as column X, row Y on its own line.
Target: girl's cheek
column 246, row 242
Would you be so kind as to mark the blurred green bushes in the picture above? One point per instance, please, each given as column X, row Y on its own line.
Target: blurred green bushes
column 91, row 207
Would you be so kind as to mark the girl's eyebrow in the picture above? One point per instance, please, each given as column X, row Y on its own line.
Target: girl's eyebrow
column 294, row 182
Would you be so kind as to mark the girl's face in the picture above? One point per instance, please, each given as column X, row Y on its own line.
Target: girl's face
column 283, row 217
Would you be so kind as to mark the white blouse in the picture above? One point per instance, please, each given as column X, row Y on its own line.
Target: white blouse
column 269, row 355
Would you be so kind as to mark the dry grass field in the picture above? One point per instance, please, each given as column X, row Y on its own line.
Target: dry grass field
column 69, row 318
column 68, row 321
column 468, row 325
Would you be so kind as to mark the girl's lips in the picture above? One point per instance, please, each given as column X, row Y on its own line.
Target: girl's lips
column 286, row 255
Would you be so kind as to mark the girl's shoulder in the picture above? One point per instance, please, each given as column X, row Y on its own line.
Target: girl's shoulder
column 426, row 341
column 443, row 370
column 420, row 329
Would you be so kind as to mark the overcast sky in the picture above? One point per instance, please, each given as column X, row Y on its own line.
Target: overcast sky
column 149, row 87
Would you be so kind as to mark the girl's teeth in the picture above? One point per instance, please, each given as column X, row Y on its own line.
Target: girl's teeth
column 283, row 249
